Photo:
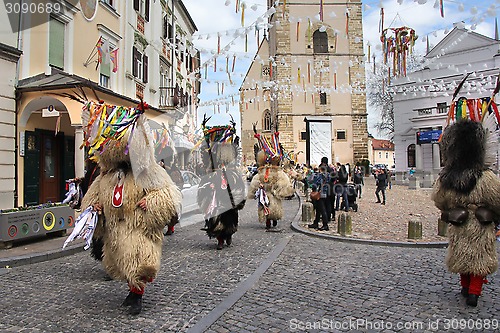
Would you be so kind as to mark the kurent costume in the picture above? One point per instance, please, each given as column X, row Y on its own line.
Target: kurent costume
column 271, row 184
column 468, row 194
column 135, row 195
column 221, row 192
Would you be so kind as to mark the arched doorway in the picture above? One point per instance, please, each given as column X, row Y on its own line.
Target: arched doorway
column 48, row 157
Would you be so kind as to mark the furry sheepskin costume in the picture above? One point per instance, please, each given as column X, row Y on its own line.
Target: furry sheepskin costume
column 130, row 226
column 221, row 192
column 468, row 194
column 269, row 186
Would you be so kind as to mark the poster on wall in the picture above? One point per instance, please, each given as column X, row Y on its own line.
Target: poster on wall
column 320, row 140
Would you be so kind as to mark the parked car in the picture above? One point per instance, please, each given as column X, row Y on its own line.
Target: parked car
column 189, row 192
column 252, row 171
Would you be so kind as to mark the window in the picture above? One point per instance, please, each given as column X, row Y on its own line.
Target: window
column 411, row 156
column 142, row 7
column 320, row 42
column 56, row 43
column 267, row 121
column 303, row 136
column 442, row 107
column 341, row 135
column 379, row 154
column 109, row 2
column 168, row 29
column 104, row 80
column 322, row 98
column 139, row 65
column 386, row 155
column 104, row 73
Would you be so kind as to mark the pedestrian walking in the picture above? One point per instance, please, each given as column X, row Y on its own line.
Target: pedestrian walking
column 381, row 181
column 341, row 189
column 321, row 185
column 358, row 180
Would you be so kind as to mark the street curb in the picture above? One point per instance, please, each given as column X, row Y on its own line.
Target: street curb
column 296, row 227
column 40, row 257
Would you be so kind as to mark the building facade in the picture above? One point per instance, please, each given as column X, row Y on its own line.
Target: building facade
column 9, row 57
column 119, row 52
column 381, row 152
column 422, row 100
column 308, row 78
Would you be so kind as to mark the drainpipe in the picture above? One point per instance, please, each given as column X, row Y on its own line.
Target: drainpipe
column 17, row 100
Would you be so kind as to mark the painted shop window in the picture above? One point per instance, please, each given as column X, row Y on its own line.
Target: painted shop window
column 411, row 156
column 320, row 42
column 56, row 43
column 267, row 121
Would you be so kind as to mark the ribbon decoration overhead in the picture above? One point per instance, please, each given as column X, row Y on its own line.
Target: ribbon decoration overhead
column 397, row 43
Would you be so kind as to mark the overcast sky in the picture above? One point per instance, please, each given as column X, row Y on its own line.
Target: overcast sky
column 218, row 19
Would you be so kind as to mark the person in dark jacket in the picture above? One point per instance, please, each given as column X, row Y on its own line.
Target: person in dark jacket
column 341, row 189
column 381, row 181
column 321, row 184
column 358, row 180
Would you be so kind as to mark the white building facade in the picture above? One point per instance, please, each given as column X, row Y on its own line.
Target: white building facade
column 422, row 100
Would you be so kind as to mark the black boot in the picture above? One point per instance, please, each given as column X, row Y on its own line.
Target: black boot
column 275, row 223
column 129, row 299
column 229, row 240
column 472, row 300
column 313, row 225
column 465, row 292
column 136, row 306
column 324, row 228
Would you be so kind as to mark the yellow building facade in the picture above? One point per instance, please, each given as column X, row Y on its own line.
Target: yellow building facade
column 309, row 71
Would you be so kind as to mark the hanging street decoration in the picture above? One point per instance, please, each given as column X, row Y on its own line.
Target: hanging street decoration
column 397, row 44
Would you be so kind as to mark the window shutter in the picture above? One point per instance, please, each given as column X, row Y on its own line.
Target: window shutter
column 165, row 26
column 134, row 61
column 136, row 4
column 145, row 68
column 146, row 12
column 56, row 43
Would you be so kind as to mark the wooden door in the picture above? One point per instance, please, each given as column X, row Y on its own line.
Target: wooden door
column 32, row 168
column 50, row 175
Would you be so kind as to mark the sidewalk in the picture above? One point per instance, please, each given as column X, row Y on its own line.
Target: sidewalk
column 38, row 249
column 389, row 223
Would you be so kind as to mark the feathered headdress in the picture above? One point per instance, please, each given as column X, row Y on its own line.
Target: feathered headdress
column 105, row 125
column 220, row 143
column 267, row 149
column 470, row 144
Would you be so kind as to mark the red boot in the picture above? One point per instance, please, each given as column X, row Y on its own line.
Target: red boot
column 220, row 245
column 170, row 230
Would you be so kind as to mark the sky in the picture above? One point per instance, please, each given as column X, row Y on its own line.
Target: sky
column 217, row 20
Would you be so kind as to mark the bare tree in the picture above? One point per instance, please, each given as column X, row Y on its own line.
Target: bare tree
column 380, row 94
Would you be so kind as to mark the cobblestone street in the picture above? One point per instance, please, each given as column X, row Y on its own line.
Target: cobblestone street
column 265, row 282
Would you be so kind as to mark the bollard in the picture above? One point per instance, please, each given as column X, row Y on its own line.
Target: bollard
column 413, row 183
column 442, row 228
column 414, row 229
column 307, row 212
column 344, row 224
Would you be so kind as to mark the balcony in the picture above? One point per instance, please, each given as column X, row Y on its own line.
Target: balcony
column 433, row 110
column 174, row 101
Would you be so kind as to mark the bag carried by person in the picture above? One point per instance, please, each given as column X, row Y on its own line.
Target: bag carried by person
column 315, row 196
